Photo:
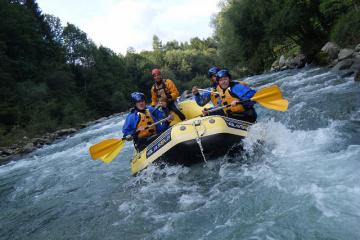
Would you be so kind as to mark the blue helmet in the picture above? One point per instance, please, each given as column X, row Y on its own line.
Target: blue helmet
column 223, row 73
column 213, row 71
column 137, row 97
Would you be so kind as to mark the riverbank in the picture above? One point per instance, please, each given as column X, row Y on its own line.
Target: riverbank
column 27, row 145
column 344, row 61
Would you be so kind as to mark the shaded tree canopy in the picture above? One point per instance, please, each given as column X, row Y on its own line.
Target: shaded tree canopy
column 54, row 76
column 252, row 33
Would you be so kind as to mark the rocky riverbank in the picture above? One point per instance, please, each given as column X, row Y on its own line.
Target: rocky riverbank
column 345, row 61
column 26, row 145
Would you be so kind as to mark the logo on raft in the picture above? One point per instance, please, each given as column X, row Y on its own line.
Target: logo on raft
column 233, row 123
column 158, row 144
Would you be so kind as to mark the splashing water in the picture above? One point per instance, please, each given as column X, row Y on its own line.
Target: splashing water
column 297, row 179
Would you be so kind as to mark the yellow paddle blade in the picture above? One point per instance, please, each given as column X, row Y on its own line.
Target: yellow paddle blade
column 271, row 93
column 105, row 147
column 112, row 155
column 271, row 97
column 278, row 105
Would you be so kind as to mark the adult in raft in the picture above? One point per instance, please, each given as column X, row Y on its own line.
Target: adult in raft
column 137, row 124
column 164, row 91
column 237, row 95
column 206, row 96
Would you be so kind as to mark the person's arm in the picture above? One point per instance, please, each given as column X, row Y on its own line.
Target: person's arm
column 129, row 128
column 244, row 93
column 202, row 98
column 174, row 93
column 154, row 99
column 158, row 115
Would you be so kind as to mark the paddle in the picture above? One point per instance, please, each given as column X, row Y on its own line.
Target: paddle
column 108, row 149
column 209, row 91
column 270, row 97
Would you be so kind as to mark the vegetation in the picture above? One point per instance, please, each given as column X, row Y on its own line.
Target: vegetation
column 252, row 34
column 54, row 76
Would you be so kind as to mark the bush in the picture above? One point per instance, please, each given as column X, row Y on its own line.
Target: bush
column 346, row 31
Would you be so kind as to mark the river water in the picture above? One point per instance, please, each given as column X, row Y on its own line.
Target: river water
column 301, row 182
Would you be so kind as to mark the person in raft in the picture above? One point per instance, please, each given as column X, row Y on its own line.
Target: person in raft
column 165, row 91
column 237, row 95
column 139, row 123
column 206, row 96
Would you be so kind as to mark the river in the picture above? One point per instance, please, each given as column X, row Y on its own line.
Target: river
column 300, row 182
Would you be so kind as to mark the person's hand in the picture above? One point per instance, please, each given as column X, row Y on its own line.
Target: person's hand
column 205, row 112
column 234, row 103
column 170, row 118
column 195, row 90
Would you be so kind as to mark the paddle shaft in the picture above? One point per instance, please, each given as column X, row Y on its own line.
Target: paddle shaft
column 225, row 106
column 209, row 91
column 156, row 123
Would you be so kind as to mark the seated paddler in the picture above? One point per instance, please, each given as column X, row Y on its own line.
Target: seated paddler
column 203, row 97
column 140, row 125
column 164, row 90
column 235, row 95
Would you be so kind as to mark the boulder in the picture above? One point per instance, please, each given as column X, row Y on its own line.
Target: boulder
column 323, row 59
column 296, row 62
column 6, row 152
column 345, row 53
column 357, row 48
column 282, row 61
column 65, row 132
column 356, row 56
column 28, row 148
column 333, row 63
column 345, row 64
column 284, row 68
column 347, row 74
column 274, row 66
column 331, row 49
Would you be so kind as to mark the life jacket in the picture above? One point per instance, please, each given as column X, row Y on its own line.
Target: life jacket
column 227, row 97
column 215, row 98
column 145, row 120
column 157, row 89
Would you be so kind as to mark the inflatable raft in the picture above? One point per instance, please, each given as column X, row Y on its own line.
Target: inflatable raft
column 192, row 141
column 195, row 139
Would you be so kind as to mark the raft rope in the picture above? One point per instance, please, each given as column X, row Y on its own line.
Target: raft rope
column 198, row 140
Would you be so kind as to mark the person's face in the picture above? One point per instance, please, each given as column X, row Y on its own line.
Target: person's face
column 213, row 78
column 157, row 77
column 224, row 82
column 140, row 105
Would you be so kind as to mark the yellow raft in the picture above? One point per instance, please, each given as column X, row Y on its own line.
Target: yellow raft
column 192, row 141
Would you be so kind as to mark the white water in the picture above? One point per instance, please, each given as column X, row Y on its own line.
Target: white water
column 301, row 181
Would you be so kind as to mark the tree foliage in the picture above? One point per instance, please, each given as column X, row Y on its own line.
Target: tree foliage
column 54, row 76
column 249, row 32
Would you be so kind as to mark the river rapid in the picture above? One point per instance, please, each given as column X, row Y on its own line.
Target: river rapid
column 301, row 182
